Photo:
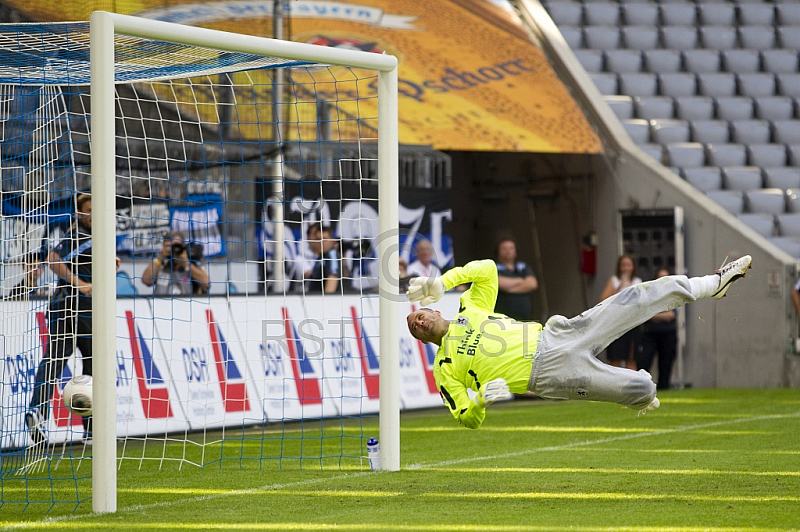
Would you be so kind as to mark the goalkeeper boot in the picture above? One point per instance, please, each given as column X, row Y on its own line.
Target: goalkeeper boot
column 655, row 403
column 36, row 425
column 730, row 272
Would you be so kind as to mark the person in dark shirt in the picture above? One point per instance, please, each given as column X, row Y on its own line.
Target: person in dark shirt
column 516, row 282
column 323, row 272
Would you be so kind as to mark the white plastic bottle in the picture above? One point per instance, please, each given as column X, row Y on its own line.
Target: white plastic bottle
column 374, row 454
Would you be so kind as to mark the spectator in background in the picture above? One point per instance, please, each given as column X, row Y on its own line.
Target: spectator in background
column 323, row 273
column 659, row 336
column 403, row 276
column 177, row 270
column 29, row 286
column 620, row 352
column 424, row 265
column 516, row 282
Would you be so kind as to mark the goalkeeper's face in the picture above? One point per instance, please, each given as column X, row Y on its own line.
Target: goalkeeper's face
column 427, row 325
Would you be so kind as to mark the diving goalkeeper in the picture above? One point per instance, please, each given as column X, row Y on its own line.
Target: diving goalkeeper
column 494, row 355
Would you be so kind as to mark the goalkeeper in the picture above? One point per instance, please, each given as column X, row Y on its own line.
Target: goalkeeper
column 494, row 355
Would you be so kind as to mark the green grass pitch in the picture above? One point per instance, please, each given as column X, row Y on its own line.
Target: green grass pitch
column 716, row 460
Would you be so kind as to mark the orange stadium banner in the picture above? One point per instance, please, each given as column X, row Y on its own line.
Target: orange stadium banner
column 470, row 79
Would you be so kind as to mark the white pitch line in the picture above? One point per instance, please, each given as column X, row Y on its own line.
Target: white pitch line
column 278, row 486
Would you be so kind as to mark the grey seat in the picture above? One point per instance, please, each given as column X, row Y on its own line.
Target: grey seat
column 662, row 61
column 649, row 107
column 621, row 105
column 606, row 82
column 756, row 84
column 566, row 13
column 789, row 37
column 737, row 61
column 741, row 177
column 773, row 107
column 640, row 37
column 667, row 131
column 716, row 84
column 677, row 84
column 792, row 201
column 685, row 155
column 761, row 223
column 679, row 37
column 766, row 154
column 783, row 177
column 757, row 37
column 756, row 14
column 640, row 14
column 701, row 61
column 710, row 131
column 730, row 200
column 789, row 244
column 794, row 154
column 734, row 107
column 750, row 131
column 780, row 61
column 789, row 85
column 623, row 61
column 591, row 60
column 718, row 37
column 678, row 13
column 694, row 107
column 787, row 13
column 766, row 200
column 601, row 13
column 786, row 131
column 716, row 14
column 726, row 155
column 638, row 84
column 601, row 37
column 704, row 178
column 573, row 35
column 638, row 129
column 656, row 151
column 789, row 224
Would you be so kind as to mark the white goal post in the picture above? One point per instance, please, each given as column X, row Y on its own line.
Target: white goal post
column 102, row 58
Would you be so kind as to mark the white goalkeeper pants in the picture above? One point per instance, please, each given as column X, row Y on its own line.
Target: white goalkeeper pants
column 565, row 365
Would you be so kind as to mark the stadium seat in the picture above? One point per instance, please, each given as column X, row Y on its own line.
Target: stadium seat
column 779, row 61
column 786, row 131
column 694, row 107
column 685, row 155
column 679, row 37
column 573, row 35
column 773, row 107
column 789, row 85
column 789, row 37
column 668, row 131
column 730, row 200
column 623, row 61
column 640, row 14
column 789, row 224
column 738, row 61
column 757, row 37
column 726, row 155
column 787, row 13
column 649, row 107
column 716, row 84
column 792, row 201
column 640, row 37
column 566, row 13
column 592, row 60
column 606, row 83
column 638, row 84
column 756, row 14
column 766, row 154
column 766, row 200
column 756, row 84
column 601, row 37
column 662, row 61
column 704, row 178
column 750, row 131
column 783, row 177
column 621, row 105
column 656, row 151
column 716, row 14
column 789, row 244
column 761, row 223
column 710, row 131
column 794, row 154
column 718, row 37
column 601, row 13
column 677, row 84
column 678, row 13
column 701, row 61
column 638, row 129
column 741, row 178
column 734, row 107
column 125, row 286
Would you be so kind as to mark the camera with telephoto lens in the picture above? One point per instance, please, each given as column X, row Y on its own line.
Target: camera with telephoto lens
column 176, row 250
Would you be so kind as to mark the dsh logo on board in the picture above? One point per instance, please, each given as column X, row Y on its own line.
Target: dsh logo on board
column 153, row 390
column 231, row 380
column 308, row 390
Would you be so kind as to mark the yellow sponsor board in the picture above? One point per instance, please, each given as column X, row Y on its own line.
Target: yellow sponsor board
column 470, row 79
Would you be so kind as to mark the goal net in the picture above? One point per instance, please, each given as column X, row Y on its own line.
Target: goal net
column 249, row 191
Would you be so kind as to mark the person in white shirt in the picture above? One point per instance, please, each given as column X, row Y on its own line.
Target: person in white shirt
column 424, row 265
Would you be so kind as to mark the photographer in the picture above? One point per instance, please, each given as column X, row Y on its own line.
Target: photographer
column 176, row 271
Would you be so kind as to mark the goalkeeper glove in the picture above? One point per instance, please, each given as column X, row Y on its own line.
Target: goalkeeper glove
column 426, row 290
column 492, row 391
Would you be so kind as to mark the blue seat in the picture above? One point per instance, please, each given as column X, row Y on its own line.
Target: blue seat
column 125, row 286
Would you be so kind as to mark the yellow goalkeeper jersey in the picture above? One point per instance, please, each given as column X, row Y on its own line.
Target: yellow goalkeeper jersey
column 481, row 345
